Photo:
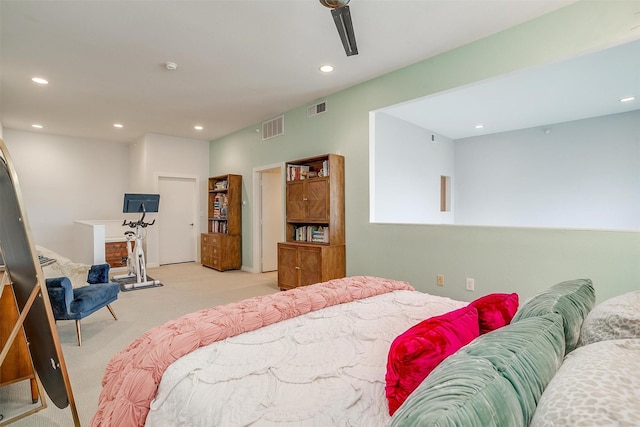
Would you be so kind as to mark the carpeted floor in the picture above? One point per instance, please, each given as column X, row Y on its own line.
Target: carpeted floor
column 187, row 287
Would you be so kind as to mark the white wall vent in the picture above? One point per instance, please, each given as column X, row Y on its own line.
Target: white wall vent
column 315, row 109
column 273, row 128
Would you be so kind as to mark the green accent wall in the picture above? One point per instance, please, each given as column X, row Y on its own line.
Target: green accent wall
column 500, row 259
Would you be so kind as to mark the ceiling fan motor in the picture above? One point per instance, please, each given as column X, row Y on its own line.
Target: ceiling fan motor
column 333, row 4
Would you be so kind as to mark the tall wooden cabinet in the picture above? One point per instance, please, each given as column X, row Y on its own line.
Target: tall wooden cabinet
column 221, row 247
column 314, row 250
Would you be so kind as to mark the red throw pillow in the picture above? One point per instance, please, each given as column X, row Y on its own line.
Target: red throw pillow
column 415, row 353
column 495, row 310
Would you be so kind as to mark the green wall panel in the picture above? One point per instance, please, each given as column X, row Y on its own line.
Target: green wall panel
column 523, row 260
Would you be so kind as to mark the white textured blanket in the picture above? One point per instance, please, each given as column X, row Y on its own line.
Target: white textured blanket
column 324, row 368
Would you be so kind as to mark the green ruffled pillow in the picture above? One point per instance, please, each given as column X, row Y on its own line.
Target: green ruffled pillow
column 496, row 380
column 573, row 300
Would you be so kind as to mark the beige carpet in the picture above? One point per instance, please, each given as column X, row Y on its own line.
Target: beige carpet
column 187, row 287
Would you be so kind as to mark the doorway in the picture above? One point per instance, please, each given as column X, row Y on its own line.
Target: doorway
column 268, row 216
column 178, row 220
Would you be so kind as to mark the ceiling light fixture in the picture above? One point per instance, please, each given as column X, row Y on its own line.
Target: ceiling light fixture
column 37, row 126
column 118, row 125
column 171, row 66
column 479, row 126
column 326, row 68
column 40, row 80
column 198, row 127
column 628, row 99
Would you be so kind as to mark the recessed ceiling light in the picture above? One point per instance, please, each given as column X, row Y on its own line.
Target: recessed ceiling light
column 198, row 127
column 628, row 99
column 37, row 126
column 326, row 68
column 40, row 80
column 117, row 125
column 479, row 126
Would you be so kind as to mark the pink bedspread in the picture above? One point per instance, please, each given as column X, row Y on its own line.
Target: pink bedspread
column 132, row 376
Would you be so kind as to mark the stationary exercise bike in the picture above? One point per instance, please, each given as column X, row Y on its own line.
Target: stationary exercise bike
column 136, row 266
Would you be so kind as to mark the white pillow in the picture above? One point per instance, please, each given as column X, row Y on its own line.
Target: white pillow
column 64, row 267
column 596, row 385
column 617, row 317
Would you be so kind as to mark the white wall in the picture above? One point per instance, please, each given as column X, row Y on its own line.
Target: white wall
column 408, row 166
column 138, row 166
column 581, row 174
column 156, row 155
column 64, row 179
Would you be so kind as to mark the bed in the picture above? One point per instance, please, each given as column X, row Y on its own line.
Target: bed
column 311, row 356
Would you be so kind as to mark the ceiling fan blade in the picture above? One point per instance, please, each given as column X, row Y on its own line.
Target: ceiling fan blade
column 342, row 19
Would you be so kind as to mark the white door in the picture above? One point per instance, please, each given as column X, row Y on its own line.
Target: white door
column 272, row 218
column 177, row 219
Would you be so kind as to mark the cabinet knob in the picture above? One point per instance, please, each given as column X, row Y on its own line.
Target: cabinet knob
column 297, row 268
column 304, row 199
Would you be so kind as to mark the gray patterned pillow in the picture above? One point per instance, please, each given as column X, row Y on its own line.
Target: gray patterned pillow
column 597, row 385
column 618, row 317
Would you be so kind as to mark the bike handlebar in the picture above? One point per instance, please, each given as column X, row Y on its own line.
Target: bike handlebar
column 138, row 223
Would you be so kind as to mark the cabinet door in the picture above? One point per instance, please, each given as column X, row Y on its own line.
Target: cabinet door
column 310, row 263
column 287, row 266
column 317, row 195
column 205, row 250
column 296, row 202
column 115, row 253
column 17, row 364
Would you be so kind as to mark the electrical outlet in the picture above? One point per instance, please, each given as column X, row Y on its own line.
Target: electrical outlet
column 440, row 280
column 471, row 285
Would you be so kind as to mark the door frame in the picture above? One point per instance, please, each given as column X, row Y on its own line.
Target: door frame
column 197, row 203
column 257, row 212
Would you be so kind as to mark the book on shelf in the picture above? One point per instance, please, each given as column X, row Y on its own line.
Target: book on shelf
column 311, row 233
column 220, row 205
column 220, row 185
column 297, row 172
column 219, row 226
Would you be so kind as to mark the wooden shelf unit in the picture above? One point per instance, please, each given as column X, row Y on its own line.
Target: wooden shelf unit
column 314, row 250
column 17, row 366
column 116, row 254
column 221, row 246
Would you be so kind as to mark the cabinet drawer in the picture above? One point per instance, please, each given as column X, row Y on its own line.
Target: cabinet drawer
column 211, row 239
column 215, row 251
column 206, row 259
column 215, row 262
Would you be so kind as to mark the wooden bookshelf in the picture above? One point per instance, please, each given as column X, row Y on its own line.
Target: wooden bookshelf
column 314, row 250
column 221, row 246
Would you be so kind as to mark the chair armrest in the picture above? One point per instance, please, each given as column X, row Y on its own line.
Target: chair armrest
column 99, row 273
column 60, row 295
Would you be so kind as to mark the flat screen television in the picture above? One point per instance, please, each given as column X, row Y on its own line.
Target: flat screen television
column 139, row 203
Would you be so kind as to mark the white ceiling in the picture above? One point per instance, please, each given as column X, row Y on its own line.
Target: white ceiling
column 239, row 62
column 579, row 88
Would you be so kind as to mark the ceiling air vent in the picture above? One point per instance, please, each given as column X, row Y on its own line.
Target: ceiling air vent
column 273, row 128
column 315, row 109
